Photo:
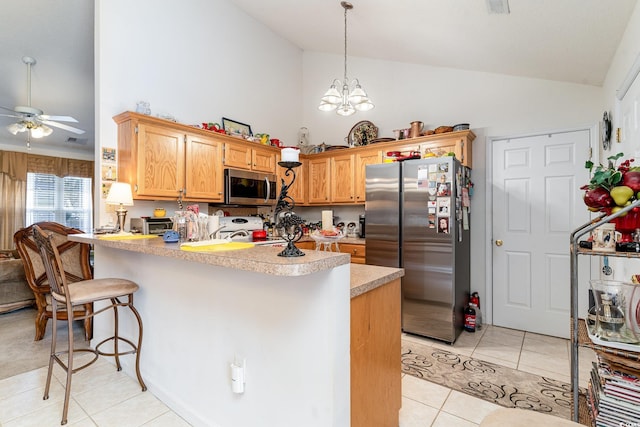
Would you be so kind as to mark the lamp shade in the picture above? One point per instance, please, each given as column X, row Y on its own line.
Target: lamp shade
column 14, row 128
column 120, row 193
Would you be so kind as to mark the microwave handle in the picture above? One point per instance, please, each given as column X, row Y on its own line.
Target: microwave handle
column 266, row 179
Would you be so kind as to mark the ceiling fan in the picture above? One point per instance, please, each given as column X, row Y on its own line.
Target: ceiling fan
column 33, row 120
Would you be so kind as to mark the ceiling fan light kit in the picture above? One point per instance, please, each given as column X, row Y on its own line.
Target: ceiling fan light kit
column 33, row 120
column 348, row 100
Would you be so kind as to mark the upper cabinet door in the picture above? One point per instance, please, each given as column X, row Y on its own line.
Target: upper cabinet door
column 263, row 160
column 160, row 168
column 369, row 157
column 237, row 156
column 342, row 180
column 318, row 185
column 204, row 177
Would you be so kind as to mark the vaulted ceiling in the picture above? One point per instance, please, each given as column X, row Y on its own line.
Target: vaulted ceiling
column 564, row 40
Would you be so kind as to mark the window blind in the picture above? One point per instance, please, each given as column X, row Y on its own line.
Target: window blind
column 65, row 200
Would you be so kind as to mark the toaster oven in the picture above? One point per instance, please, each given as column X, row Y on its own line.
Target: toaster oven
column 147, row 225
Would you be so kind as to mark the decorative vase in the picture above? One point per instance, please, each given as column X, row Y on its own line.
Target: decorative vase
column 627, row 225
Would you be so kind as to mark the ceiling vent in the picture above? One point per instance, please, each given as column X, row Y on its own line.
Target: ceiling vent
column 77, row 141
column 498, row 6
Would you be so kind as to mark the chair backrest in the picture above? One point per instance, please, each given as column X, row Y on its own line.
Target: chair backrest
column 51, row 260
column 74, row 255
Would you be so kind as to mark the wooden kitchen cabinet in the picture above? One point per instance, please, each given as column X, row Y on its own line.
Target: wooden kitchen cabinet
column 357, row 252
column 306, row 244
column 161, row 160
column 203, row 173
column 241, row 155
column 342, row 179
column 319, row 190
column 440, row 144
column 375, row 365
column 331, row 179
column 298, row 190
column 364, row 158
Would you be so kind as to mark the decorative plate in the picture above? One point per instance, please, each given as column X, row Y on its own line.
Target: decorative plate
column 606, row 131
column 362, row 133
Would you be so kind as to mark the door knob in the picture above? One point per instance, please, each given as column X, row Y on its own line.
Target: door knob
column 499, row 242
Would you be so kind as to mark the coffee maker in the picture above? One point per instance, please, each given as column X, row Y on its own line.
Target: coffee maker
column 361, row 226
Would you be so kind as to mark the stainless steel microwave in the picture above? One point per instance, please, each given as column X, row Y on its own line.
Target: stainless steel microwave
column 249, row 188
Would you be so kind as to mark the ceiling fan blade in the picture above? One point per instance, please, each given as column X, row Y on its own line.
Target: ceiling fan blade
column 62, row 126
column 10, row 115
column 8, row 109
column 58, row 118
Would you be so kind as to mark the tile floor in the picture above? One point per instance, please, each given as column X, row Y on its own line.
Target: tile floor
column 94, row 402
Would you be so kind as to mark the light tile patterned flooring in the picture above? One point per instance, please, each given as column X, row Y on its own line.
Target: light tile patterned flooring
column 104, row 397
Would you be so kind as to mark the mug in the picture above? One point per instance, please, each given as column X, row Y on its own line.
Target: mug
column 605, row 238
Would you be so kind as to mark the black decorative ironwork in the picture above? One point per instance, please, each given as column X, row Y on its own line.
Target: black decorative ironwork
column 288, row 224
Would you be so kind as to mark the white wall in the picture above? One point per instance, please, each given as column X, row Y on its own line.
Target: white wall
column 201, row 60
column 197, row 60
column 494, row 105
column 627, row 52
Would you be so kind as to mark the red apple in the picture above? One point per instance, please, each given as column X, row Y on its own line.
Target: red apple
column 632, row 180
column 597, row 198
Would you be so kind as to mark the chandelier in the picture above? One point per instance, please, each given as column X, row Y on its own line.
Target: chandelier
column 353, row 97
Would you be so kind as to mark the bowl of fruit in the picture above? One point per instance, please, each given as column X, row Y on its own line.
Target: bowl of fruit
column 331, row 235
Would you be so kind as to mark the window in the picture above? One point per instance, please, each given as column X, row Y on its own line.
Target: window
column 66, row 200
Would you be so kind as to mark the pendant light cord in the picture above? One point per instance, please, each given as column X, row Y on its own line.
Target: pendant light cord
column 345, row 44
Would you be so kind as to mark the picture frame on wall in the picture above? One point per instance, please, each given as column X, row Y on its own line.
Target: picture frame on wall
column 234, row 127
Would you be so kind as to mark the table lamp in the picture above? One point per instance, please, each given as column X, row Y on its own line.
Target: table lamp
column 120, row 194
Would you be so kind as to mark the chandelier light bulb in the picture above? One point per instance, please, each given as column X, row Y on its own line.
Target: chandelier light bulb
column 37, row 132
column 46, row 130
column 14, row 128
column 364, row 106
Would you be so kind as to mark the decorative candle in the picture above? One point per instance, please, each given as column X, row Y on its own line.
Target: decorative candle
column 290, row 154
column 327, row 220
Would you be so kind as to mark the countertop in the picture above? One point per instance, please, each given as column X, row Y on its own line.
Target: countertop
column 350, row 240
column 260, row 259
column 365, row 278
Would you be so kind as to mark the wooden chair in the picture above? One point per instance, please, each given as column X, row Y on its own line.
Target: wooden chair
column 66, row 295
column 75, row 257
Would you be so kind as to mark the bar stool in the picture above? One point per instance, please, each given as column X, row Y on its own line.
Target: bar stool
column 83, row 292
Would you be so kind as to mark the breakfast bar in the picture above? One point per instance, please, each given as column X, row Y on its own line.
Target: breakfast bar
column 288, row 322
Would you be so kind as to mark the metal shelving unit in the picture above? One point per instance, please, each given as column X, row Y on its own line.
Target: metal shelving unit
column 579, row 337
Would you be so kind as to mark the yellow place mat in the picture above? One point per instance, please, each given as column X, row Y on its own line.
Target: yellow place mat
column 231, row 246
column 126, row 236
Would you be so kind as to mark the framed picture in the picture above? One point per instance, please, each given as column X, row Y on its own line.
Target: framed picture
column 231, row 126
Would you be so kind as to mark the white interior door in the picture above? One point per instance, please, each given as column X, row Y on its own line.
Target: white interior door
column 536, row 205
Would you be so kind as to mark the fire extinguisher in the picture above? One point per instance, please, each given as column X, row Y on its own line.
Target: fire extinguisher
column 470, row 318
column 474, row 300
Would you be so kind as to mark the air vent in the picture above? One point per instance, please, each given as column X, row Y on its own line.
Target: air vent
column 77, row 141
column 498, row 6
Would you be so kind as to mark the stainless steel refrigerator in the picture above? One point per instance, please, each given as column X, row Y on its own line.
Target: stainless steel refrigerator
column 417, row 216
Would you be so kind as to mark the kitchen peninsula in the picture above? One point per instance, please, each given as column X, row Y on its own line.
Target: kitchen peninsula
column 319, row 337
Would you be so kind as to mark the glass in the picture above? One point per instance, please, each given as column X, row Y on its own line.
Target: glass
column 187, row 225
column 616, row 310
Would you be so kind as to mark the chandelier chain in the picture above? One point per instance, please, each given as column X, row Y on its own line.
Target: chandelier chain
column 345, row 46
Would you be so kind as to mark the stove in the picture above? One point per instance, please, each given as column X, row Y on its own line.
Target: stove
column 241, row 228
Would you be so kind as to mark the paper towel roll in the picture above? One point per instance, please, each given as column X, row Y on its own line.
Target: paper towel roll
column 327, row 220
column 212, row 225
